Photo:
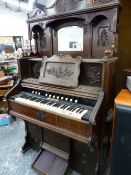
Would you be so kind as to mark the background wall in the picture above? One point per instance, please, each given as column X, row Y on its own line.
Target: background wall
column 13, row 23
column 124, row 47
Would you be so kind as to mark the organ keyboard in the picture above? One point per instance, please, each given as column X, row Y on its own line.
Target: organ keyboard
column 55, row 103
column 64, row 105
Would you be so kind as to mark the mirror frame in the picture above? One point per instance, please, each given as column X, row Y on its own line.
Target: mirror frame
column 86, row 36
column 67, row 32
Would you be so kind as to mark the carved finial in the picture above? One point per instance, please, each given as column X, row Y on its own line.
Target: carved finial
column 89, row 1
column 107, row 53
column 114, row 48
column 110, row 52
column 61, row 55
column 79, row 58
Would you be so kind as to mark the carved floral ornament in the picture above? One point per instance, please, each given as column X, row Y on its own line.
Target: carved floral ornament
column 60, row 72
column 94, row 74
column 103, row 36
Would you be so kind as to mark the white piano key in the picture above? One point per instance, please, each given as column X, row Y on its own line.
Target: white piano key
column 81, row 114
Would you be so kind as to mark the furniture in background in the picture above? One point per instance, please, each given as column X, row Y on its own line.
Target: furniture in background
column 121, row 144
column 126, row 72
column 5, row 85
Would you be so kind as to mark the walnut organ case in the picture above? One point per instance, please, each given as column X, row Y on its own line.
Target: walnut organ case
column 66, row 86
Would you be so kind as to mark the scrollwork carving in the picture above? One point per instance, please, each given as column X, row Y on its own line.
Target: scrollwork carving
column 35, row 13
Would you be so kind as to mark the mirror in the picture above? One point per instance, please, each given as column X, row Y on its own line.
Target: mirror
column 70, row 38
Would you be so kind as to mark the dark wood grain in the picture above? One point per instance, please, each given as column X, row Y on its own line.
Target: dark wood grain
column 86, row 142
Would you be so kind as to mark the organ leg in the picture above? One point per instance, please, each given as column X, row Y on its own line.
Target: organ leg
column 33, row 137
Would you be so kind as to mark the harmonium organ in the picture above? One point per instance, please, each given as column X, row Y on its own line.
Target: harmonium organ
column 66, row 89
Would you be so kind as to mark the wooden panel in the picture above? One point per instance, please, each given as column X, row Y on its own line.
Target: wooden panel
column 102, row 36
column 71, row 128
column 23, row 68
column 48, row 163
column 33, row 136
column 82, row 159
column 57, row 140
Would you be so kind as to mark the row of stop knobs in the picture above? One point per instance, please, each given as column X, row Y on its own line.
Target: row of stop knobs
column 58, row 97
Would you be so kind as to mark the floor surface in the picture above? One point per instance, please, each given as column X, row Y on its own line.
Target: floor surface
column 12, row 160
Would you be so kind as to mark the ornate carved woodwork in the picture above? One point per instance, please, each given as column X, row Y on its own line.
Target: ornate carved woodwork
column 99, row 25
column 58, row 7
column 85, row 73
column 60, row 70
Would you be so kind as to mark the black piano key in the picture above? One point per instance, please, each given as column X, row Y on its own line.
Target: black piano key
column 77, row 111
column 22, row 96
column 46, row 101
column 70, row 108
column 74, row 108
column 65, row 106
column 29, row 98
column 55, row 105
column 38, row 100
column 33, row 99
column 81, row 111
column 43, row 102
column 58, row 105
column 50, row 103
column 61, row 107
